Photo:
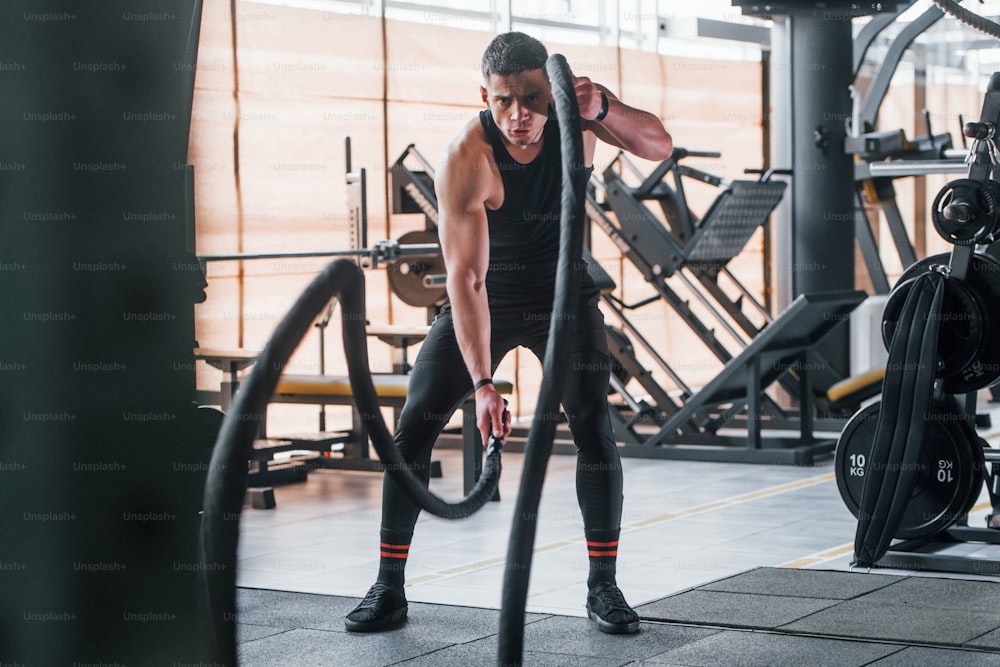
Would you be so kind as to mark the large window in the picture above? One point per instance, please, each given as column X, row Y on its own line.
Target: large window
column 708, row 28
column 647, row 25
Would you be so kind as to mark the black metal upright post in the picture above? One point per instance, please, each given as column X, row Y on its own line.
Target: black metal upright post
column 811, row 75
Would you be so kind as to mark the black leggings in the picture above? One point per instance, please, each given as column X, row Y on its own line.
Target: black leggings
column 440, row 382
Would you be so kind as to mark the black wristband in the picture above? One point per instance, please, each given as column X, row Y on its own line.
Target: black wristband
column 604, row 109
column 482, row 383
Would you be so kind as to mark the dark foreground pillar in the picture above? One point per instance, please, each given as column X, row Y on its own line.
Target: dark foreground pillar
column 101, row 456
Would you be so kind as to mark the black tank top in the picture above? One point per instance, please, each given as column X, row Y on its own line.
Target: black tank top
column 524, row 231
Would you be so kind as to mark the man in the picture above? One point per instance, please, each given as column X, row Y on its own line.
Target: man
column 498, row 189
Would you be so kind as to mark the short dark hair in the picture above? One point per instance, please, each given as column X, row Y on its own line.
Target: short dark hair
column 512, row 52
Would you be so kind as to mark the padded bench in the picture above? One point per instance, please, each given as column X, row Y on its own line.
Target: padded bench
column 857, row 388
column 391, row 391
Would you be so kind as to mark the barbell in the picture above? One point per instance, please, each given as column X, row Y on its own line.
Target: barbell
column 415, row 266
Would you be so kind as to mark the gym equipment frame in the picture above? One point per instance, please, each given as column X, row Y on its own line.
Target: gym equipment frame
column 781, row 350
column 967, row 214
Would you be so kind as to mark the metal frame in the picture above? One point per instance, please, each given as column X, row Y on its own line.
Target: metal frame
column 881, row 175
column 923, row 553
column 689, row 428
column 879, row 86
column 736, row 396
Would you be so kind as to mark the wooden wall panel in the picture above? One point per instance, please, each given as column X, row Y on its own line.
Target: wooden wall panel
column 308, row 78
column 293, row 51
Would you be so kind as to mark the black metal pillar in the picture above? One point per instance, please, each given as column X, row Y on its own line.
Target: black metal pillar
column 814, row 230
column 823, row 181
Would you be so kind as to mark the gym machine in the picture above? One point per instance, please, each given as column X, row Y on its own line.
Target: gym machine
column 883, row 156
column 912, row 466
column 420, row 284
column 779, row 350
column 784, row 356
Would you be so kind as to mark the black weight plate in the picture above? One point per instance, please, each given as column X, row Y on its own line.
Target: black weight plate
column 983, row 280
column 960, row 326
column 980, row 200
column 946, row 470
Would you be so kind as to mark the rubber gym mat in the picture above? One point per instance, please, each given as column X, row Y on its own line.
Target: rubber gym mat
column 920, row 610
column 287, row 629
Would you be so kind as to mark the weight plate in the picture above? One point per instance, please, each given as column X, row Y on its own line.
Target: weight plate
column 949, row 474
column 964, row 212
column 960, row 325
column 983, row 281
column 406, row 275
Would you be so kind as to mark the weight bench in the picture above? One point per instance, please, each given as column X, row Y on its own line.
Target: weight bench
column 391, row 390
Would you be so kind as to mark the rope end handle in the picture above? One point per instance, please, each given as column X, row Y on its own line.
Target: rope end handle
column 495, row 444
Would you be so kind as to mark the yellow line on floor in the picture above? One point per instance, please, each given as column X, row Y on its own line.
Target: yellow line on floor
column 725, row 502
column 820, row 557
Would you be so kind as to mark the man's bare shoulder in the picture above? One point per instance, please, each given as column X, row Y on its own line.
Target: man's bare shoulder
column 469, row 150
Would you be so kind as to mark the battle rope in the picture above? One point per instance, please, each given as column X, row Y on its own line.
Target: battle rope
column 970, row 19
column 899, row 435
column 226, row 482
column 561, row 329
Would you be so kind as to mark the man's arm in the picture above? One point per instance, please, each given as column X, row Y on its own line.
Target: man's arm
column 462, row 187
column 636, row 131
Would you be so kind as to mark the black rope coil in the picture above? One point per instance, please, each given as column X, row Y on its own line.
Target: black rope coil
column 227, row 475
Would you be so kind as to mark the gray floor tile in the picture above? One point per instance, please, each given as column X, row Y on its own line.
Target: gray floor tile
column 316, row 648
column 802, row 583
column 732, row 609
column 579, row 636
column 758, row 649
column 940, row 593
column 937, row 657
column 991, row 640
column 484, row 652
column 447, row 624
column 286, row 610
column 246, row 632
column 897, row 622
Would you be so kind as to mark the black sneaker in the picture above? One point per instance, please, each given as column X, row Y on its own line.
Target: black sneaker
column 382, row 608
column 607, row 607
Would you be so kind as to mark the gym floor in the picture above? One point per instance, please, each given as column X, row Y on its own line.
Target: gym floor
column 685, row 524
